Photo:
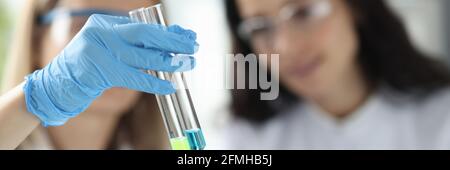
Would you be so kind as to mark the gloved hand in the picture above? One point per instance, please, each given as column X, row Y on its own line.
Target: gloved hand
column 108, row 52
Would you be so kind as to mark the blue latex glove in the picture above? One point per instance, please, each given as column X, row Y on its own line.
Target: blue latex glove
column 108, row 52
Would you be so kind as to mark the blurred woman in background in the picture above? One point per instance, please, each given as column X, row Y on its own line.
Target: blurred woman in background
column 119, row 119
column 350, row 79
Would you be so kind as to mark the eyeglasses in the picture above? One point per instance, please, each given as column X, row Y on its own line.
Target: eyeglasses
column 65, row 23
column 297, row 17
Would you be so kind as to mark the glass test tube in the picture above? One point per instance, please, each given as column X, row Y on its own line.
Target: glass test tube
column 177, row 109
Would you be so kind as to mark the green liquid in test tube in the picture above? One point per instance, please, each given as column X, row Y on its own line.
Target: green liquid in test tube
column 177, row 109
column 180, row 143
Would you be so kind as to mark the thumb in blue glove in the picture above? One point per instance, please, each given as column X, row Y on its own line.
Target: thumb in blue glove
column 108, row 52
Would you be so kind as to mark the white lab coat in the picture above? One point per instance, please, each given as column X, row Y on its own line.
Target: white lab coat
column 388, row 120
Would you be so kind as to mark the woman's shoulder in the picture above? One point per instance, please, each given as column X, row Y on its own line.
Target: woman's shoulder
column 436, row 100
column 426, row 118
column 430, row 110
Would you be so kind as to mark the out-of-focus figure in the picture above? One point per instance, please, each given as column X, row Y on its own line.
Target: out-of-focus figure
column 350, row 79
column 120, row 118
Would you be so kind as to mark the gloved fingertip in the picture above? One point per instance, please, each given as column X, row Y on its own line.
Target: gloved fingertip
column 192, row 48
column 191, row 35
column 193, row 62
column 196, row 47
column 175, row 29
